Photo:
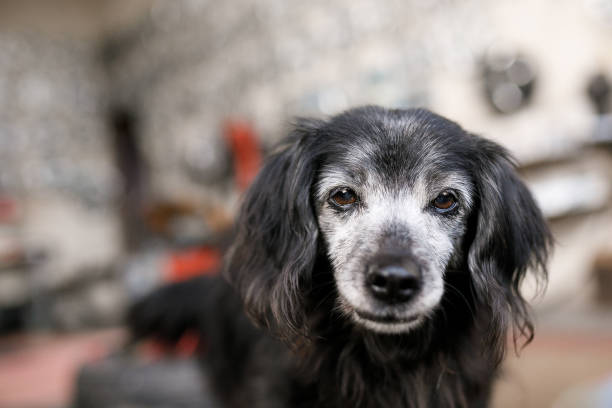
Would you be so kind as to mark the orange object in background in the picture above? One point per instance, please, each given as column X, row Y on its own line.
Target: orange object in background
column 189, row 263
column 187, row 346
column 180, row 266
column 241, row 138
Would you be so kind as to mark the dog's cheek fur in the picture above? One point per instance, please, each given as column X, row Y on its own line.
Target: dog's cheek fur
column 510, row 238
column 271, row 260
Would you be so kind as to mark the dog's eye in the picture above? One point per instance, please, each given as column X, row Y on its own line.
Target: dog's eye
column 444, row 202
column 344, row 197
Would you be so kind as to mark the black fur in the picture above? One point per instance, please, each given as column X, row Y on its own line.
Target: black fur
column 302, row 352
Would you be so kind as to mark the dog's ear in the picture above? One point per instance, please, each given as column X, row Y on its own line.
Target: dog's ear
column 274, row 250
column 510, row 237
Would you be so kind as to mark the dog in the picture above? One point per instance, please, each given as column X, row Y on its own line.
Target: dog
column 376, row 262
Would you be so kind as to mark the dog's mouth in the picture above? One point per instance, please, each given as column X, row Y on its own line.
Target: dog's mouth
column 387, row 323
column 386, row 318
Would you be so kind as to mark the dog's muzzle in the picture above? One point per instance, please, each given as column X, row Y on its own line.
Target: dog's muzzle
column 393, row 278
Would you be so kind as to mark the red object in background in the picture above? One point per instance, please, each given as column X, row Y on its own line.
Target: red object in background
column 180, row 266
column 187, row 346
column 189, row 263
column 8, row 209
column 243, row 142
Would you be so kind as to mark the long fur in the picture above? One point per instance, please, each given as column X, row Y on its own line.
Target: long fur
column 299, row 347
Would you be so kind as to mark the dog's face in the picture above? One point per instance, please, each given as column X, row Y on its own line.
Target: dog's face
column 391, row 228
column 387, row 202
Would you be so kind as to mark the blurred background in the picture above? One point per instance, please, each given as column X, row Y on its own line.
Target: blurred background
column 129, row 128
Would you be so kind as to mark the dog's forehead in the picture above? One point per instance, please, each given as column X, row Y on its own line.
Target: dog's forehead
column 396, row 150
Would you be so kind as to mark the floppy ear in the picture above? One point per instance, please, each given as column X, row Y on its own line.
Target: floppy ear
column 274, row 250
column 511, row 237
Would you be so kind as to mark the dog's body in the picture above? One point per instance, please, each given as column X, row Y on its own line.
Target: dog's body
column 380, row 255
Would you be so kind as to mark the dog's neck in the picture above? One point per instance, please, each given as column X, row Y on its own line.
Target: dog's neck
column 422, row 367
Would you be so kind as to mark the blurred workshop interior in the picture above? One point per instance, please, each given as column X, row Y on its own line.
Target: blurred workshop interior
column 129, row 129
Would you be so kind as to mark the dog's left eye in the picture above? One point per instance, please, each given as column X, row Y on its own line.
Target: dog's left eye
column 343, row 197
column 445, row 202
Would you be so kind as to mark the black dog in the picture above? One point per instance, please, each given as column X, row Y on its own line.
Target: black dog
column 379, row 255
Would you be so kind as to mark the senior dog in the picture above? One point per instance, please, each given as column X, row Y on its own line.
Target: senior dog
column 376, row 262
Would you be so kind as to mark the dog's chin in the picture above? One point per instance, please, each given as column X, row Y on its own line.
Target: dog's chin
column 387, row 324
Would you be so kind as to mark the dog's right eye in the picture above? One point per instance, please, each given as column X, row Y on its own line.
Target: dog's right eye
column 445, row 202
column 343, row 197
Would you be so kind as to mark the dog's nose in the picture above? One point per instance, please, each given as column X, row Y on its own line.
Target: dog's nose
column 394, row 283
